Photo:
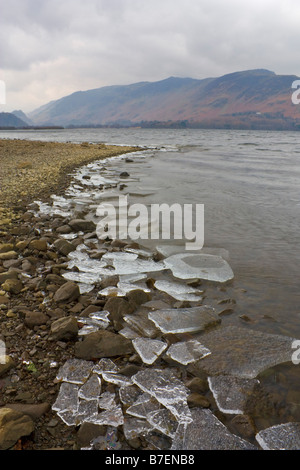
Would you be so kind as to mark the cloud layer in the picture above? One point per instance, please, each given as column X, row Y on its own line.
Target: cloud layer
column 51, row 48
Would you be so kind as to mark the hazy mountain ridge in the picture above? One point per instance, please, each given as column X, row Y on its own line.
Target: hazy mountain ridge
column 255, row 98
column 11, row 120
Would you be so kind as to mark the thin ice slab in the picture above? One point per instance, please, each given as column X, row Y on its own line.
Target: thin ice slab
column 111, row 417
column 206, row 432
column 179, row 291
column 134, row 427
column 67, row 399
column 75, row 371
column 144, row 405
column 184, row 320
column 199, row 266
column 232, row 393
column 186, row 352
column 167, row 389
column 91, row 389
column 280, row 437
column 149, row 349
column 164, row 421
column 243, row 352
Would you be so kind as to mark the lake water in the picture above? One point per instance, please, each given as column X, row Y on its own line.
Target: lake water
column 249, row 183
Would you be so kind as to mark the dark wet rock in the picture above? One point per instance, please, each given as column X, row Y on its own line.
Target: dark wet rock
column 13, row 286
column 33, row 319
column 5, row 247
column 195, row 399
column 8, row 275
column 244, row 426
column 64, row 247
column 55, row 279
column 8, row 255
column 64, row 329
column 82, row 225
column 124, row 174
column 90, row 309
column 118, row 307
column 138, row 296
column 101, row 344
column 13, row 425
column 39, row 245
column 35, row 411
column 64, row 229
column 87, row 432
column 67, row 292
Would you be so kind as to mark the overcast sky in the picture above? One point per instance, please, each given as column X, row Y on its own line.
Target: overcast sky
column 51, row 48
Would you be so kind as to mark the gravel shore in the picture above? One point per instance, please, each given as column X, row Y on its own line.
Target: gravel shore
column 36, row 169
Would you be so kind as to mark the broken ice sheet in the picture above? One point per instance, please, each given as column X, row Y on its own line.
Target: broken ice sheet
column 280, row 437
column 149, row 349
column 206, row 432
column 184, row 320
column 86, row 411
column 186, row 352
column 231, row 393
column 122, row 289
column 111, row 417
column 164, row 421
column 75, row 371
column 67, row 398
column 94, row 322
column 91, row 389
column 199, row 266
column 167, row 389
column 107, row 401
column 137, row 266
column 242, row 352
column 179, row 291
column 134, row 428
column 105, row 365
column 143, row 405
column 129, row 394
column 116, row 379
column 141, row 324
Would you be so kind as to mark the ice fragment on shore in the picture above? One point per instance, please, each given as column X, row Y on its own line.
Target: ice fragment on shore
column 94, row 322
column 116, row 379
column 91, row 389
column 206, row 432
column 199, row 266
column 134, row 428
column 164, row 421
column 143, row 405
column 179, row 291
column 87, row 409
column 243, row 352
column 111, row 417
column 142, row 325
column 183, row 320
column 170, row 250
column 186, row 352
column 137, row 266
column 107, row 401
column 75, row 371
column 280, row 437
column 105, row 365
column 149, row 349
column 231, row 393
column 129, row 394
column 67, row 398
column 167, row 389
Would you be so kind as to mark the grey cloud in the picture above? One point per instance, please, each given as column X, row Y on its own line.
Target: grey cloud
column 59, row 46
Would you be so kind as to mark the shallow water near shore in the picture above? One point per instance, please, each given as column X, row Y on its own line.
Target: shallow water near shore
column 249, row 184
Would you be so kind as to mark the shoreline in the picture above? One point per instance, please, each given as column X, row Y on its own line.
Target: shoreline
column 41, row 314
column 38, row 169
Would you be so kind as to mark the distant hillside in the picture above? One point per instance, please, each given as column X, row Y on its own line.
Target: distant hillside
column 9, row 120
column 21, row 115
column 254, row 99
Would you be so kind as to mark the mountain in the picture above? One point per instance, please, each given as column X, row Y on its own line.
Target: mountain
column 9, row 120
column 21, row 115
column 255, row 99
